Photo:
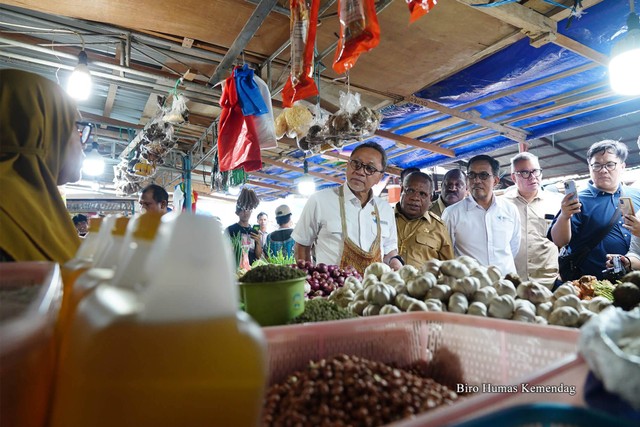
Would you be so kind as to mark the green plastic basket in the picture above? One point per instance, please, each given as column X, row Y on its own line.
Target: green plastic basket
column 273, row 303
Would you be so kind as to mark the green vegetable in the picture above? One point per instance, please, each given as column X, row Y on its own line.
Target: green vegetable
column 321, row 310
column 279, row 258
column 271, row 273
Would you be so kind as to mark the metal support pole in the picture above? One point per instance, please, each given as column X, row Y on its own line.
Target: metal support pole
column 186, row 166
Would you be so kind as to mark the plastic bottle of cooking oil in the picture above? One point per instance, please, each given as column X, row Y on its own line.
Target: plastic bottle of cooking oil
column 129, row 268
column 176, row 353
column 104, row 243
column 109, row 257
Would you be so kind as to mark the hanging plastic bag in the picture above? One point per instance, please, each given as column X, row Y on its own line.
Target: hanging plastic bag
column 263, row 126
column 303, row 24
column 359, row 32
column 249, row 95
column 417, row 8
column 237, row 145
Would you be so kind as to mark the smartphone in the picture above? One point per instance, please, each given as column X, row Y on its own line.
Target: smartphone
column 570, row 188
column 626, row 206
column 256, row 227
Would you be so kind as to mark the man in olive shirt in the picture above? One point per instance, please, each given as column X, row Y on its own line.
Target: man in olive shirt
column 537, row 258
column 421, row 234
column 454, row 189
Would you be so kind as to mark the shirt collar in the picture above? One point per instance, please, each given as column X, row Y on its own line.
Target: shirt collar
column 398, row 213
column 596, row 192
column 472, row 204
column 352, row 198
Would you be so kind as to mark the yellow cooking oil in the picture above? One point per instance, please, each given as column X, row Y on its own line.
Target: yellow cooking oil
column 174, row 353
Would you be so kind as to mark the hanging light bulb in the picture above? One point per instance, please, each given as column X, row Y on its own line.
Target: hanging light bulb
column 93, row 164
column 79, row 84
column 306, row 184
column 625, row 59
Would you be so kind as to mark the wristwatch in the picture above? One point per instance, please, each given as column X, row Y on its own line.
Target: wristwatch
column 399, row 258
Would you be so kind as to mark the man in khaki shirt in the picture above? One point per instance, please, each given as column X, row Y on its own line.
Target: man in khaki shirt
column 537, row 258
column 421, row 234
column 454, row 189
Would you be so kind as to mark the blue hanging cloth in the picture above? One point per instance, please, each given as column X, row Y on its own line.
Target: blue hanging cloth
column 249, row 96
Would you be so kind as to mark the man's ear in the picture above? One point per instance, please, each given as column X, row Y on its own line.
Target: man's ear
column 164, row 204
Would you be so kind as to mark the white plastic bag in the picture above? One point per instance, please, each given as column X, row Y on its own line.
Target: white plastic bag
column 263, row 125
column 600, row 342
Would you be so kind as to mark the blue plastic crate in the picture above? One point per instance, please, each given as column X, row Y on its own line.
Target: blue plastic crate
column 547, row 415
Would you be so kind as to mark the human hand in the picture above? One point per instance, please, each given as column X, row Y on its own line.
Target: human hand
column 626, row 262
column 569, row 206
column 632, row 223
column 395, row 264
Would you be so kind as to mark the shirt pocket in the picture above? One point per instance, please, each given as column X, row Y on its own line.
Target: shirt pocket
column 503, row 230
column 432, row 242
column 334, row 227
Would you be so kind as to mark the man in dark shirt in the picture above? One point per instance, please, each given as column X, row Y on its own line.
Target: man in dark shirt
column 244, row 238
column 280, row 241
column 582, row 219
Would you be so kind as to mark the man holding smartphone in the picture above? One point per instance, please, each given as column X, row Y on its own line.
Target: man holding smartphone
column 583, row 219
column 244, row 237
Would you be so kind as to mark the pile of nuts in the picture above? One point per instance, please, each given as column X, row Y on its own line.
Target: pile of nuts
column 349, row 390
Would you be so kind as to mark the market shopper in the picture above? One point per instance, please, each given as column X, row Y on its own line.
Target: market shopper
column 244, row 239
column 483, row 226
column 348, row 225
column 537, row 258
column 582, row 220
column 454, row 189
column 280, row 241
column 40, row 149
column 81, row 222
column 421, row 234
column 263, row 220
column 154, row 199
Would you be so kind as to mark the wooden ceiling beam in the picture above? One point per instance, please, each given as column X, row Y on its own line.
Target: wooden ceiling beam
column 270, row 186
column 507, row 131
column 539, row 28
column 263, row 175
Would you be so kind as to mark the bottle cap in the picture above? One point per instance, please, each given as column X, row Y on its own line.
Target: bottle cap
column 95, row 223
column 120, row 226
column 147, row 225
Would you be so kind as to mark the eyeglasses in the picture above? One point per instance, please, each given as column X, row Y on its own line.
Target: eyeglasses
column 482, row 175
column 368, row 169
column 411, row 192
column 526, row 174
column 597, row 167
column 84, row 130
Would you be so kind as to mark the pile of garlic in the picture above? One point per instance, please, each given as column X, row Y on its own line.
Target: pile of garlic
column 463, row 286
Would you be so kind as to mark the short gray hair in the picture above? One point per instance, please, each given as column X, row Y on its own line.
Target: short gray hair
column 610, row 146
column 525, row 155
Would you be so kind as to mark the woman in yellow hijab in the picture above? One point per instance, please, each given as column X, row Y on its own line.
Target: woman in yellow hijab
column 39, row 149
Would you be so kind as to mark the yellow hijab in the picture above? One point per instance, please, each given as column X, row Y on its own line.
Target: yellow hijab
column 36, row 121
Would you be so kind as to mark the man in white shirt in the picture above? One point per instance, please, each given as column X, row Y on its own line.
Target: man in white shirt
column 483, row 226
column 537, row 258
column 347, row 224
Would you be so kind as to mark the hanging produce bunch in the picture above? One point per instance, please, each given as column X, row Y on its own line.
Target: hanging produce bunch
column 247, row 199
column 151, row 145
column 359, row 32
column 303, row 25
column 352, row 123
column 246, row 123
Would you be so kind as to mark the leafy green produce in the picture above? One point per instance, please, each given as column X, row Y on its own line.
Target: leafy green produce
column 271, row 273
column 321, row 310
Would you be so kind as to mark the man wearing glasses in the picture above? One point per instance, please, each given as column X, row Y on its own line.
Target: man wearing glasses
column 482, row 226
column 347, row 225
column 537, row 258
column 583, row 219
column 421, row 234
